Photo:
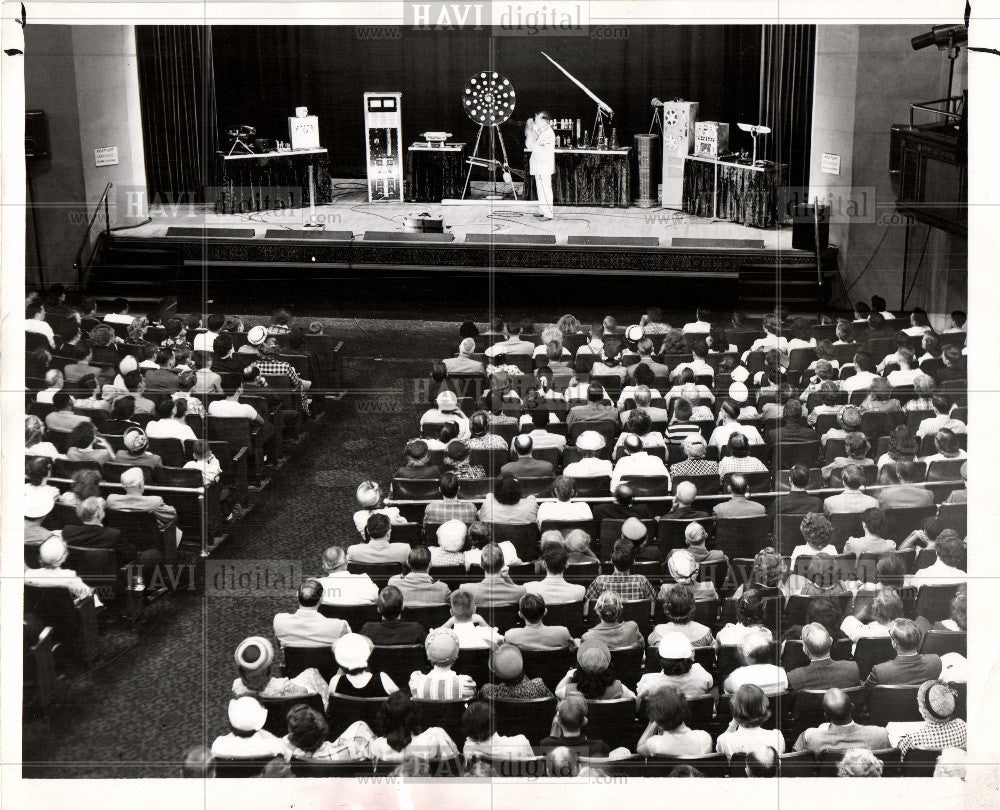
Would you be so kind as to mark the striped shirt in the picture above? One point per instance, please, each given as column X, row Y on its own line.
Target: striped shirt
column 441, row 684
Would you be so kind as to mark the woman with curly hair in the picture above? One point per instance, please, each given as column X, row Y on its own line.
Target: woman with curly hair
column 767, row 575
column 817, row 531
column 679, row 607
column 568, row 325
column 594, row 676
column 36, row 473
column 751, row 709
column 34, row 431
column 673, row 343
column 86, row 484
column 612, row 630
column 307, row 738
column 667, row 734
column 718, row 340
column 404, row 733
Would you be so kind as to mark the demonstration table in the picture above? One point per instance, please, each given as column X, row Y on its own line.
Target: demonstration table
column 737, row 192
column 435, row 173
column 596, row 177
column 272, row 180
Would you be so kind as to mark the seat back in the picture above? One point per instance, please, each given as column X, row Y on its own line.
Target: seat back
column 594, row 486
column 75, row 623
column 954, row 516
column 942, row 470
column 474, row 663
column 759, row 481
column 941, row 642
column 354, row 615
column 430, row 616
column 568, row 615
column 532, row 718
column 298, row 659
column 713, row 766
column 342, row 710
column 919, row 762
column 523, row 536
column 379, row 573
column 549, row 665
column 178, row 477
column 613, row 722
column 648, row 486
column 171, row 450
column 871, row 651
column 787, row 454
column 98, row 568
column 416, row 489
column 277, row 710
column 446, row 714
column 141, row 529
column 934, row 601
column 239, row 767
column 627, row 662
column 398, row 661
column 705, row 484
column 904, row 520
column 64, row 468
column 845, row 525
column 893, row 704
column 742, row 536
column 670, row 532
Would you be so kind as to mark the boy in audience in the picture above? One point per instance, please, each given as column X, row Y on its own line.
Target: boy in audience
column 442, row 682
column 391, row 629
column 554, row 589
column 470, row 629
column 535, row 635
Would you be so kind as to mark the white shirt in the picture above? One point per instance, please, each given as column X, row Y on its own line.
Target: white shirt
column 475, row 637
column 344, row 588
column 742, row 740
column 641, row 463
column 720, row 436
column 770, row 678
column 696, row 328
column 588, row 468
column 903, row 376
column 809, row 551
column 564, row 510
column 40, row 328
column 542, row 144
column 857, row 382
column 260, row 744
column 932, row 424
column 227, row 408
column 171, row 429
column 937, row 574
column 204, row 341
column 210, row 468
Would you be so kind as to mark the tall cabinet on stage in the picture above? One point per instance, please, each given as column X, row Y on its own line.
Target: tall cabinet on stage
column 678, row 140
column 384, row 146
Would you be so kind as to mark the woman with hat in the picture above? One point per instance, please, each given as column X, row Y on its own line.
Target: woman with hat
column 751, row 709
column 354, row 679
column 447, row 410
column 594, row 676
column 677, row 670
column 612, row 630
column 134, row 453
column 247, row 738
column 418, row 462
column 254, row 657
column 510, row 682
column 684, row 570
column 902, row 447
column 942, row 728
column 450, row 544
column 404, row 735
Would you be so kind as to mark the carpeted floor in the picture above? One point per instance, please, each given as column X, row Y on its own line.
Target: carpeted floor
column 164, row 687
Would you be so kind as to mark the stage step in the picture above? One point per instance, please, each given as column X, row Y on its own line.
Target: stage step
column 135, row 272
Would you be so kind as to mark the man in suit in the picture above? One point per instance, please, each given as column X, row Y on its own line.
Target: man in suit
column 513, row 343
column 377, row 548
column 391, row 629
column 793, row 426
column 496, row 587
column 645, row 350
column 622, row 508
column 525, row 466
column 738, row 504
column 594, row 411
column 340, row 586
column 134, row 501
column 840, row 732
column 909, row 666
column 535, row 635
column 908, row 493
column 463, row 363
column 852, row 500
column 161, row 378
column 92, row 533
column 306, row 627
column 540, row 140
column 822, row 672
column 797, row 501
column 418, row 588
column 554, row 589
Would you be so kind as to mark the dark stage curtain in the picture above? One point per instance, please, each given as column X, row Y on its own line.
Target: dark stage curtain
column 264, row 73
column 177, row 91
column 788, row 54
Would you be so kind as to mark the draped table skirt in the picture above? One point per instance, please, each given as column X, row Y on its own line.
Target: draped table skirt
column 435, row 173
column 595, row 177
column 745, row 194
column 272, row 180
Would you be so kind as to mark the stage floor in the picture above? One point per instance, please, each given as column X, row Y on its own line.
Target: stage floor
column 351, row 212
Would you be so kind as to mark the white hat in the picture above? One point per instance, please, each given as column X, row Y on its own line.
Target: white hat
column 738, row 392
column 254, row 653
column 739, row 374
column 352, row 651
column 590, row 440
column 53, row 551
column 128, row 364
column 635, row 333
column 451, row 535
column 633, row 529
column 447, row 401
column 368, row 494
column 256, row 335
column 246, row 714
column 38, row 502
column 682, row 564
column 675, row 645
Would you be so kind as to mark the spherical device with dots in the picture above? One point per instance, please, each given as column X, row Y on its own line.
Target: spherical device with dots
column 488, row 99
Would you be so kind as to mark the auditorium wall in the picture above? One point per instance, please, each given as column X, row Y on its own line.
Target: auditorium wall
column 866, row 78
column 84, row 78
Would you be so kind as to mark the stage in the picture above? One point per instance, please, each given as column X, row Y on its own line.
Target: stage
column 485, row 244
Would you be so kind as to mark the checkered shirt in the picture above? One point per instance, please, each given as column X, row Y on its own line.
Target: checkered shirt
column 488, row 441
column 697, row 466
column 936, row 737
column 443, row 511
column 630, row 587
column 279, row 368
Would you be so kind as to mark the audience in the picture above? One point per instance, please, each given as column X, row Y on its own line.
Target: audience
column 750, row 709
column 840, row 731
column 667, row 734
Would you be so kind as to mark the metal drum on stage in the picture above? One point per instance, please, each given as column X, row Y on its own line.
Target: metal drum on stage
column 648, row 155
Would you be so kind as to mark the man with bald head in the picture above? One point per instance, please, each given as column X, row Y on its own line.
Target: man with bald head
column 695, row 536
column 683, row 508
column 822, row 672
column 636, row 461
column 464, row 363
column 525, row 465
column 643, row 396
column 51, row 555
column 562, row 762
column 840, row 732
column 135, row 501
column 307, row 627
column 739, row 504
column 340, row 586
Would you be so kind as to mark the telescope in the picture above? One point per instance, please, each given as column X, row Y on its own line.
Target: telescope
column 602, row 108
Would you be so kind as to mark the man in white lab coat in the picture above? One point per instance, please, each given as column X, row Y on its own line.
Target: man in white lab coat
column 540, row 140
